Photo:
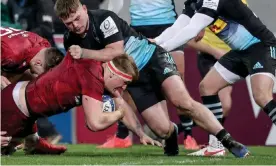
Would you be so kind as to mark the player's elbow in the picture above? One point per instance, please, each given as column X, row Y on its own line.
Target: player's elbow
column 94, row 126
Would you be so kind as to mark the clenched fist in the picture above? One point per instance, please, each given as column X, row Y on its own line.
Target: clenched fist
column 75, row 51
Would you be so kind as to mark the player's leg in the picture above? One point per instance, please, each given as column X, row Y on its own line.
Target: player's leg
column 205, row 63
column 21, row 125
column 261, row 63
column 226, row 101
column 227, row 71
column 180, row 97
column 150, row 102
column 186, row 123
column 156, row 117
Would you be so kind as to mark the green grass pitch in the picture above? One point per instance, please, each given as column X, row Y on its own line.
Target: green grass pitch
column 137, row 155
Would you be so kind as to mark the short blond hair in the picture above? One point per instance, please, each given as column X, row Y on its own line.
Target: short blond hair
column 63, row 8
column 126, row 64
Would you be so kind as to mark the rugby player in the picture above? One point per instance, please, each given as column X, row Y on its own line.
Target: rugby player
column 102, row 36
column 22, row 51
column 71, row 83
column 151, row 18
column 252, row 52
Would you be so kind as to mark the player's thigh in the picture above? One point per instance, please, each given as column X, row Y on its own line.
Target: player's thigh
column 157, row 119
column 204, row 63
column 127, row 97
column 228, row 70
column 145, row 92
column 261, row 63
column 13, row 121
column 179, row 59
column 164, row 69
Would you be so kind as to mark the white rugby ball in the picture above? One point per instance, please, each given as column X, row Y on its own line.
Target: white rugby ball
column 108, row 104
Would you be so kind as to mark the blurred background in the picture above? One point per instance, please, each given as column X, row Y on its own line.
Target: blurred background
column 246, row 122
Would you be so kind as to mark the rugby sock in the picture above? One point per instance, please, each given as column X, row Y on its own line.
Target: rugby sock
column 185, row 125
column 214, row 105
column 122, row 131
column 171, row 144
column 270, row 110
column 226, row 139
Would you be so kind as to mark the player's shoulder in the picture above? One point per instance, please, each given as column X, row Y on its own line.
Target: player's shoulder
column 101, row 15
column 100, row 12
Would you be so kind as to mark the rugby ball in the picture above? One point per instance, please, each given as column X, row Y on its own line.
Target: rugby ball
column 108, row 104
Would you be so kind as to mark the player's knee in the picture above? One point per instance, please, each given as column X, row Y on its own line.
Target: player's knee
column 261, row 97
column 205, row 89
column 163, row 132
column 184, row 104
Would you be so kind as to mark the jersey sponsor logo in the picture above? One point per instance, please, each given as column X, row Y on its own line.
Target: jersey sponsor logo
column 108, row 27
column 211, row 4
column 218, row 26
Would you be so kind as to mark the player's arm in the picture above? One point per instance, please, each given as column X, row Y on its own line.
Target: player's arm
column 197, row 23
column 202, row 47
column 107, row 54
column 96, row 119
column 181, row 22
column 170, row 32
column 130, row 119
column 110, row 35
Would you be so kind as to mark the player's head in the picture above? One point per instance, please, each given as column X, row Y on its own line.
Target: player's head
column 119, row 72
column 73, row 14
column 44, row 60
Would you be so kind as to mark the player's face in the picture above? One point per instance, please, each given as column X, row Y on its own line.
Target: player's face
column 113, row 83
column 37, row 64
column 77, row 22
column 37, row 68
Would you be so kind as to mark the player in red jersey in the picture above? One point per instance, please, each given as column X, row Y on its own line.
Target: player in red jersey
column 22, row 50
column 71, row 83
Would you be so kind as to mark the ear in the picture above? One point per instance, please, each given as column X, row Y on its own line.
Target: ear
column 84, row 8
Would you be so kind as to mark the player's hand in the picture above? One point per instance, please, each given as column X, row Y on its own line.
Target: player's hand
column 145, row 140
column 152, row 40
column 4, row 139
column 76, row 51
column 4, row 82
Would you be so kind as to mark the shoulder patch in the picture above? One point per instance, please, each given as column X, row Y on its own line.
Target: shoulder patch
column 211, row 4
column 108, row 27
